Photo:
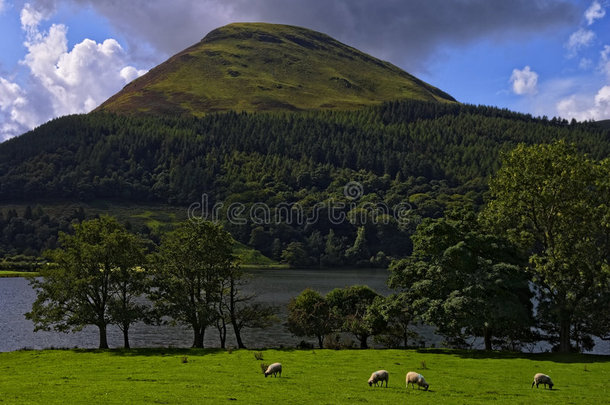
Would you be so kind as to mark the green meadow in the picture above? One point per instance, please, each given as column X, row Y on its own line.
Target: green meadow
column 173, row 376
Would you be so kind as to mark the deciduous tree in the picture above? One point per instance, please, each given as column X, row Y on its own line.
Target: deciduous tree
column 555, row 203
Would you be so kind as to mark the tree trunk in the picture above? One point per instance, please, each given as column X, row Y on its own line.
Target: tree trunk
column 233, row 313
column 103, row 337
column 237, row 331
column 222, row 333
column 487, row 336
column 363, row 341
column 564, row 336
column 126, row 336
column 198, row 335
column 321, row 341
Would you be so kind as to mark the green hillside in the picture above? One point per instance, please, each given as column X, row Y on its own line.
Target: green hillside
column 259, row 67
column 425, row 156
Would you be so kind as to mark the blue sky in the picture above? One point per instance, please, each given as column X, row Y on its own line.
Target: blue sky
column 544, row 57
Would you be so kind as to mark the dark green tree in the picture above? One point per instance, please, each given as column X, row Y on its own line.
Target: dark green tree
column 77, row 290
column 398, row 315
column 295, row 255
column 359, row 252
column 464, row 281
column 129, row 284
column 350, row 306
column 190, row 268
column 555, row 203
column 332, row 251
column 309, row 315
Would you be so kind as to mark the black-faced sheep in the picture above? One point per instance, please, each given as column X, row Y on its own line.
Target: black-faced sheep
column 379, row 376
column 416, row 378
column 542, row 379
column 275, row 369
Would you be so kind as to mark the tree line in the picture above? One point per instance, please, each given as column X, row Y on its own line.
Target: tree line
column 543, row 237
column 102, row 275
column 426, row 155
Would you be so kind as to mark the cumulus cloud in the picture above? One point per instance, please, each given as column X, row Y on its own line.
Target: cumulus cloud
column 31, row 17
column 15, row 114
column 524, row 81
column 586, row 107
column 580, row 39
column 79, row 79
column 594, row 12
column 62, row 81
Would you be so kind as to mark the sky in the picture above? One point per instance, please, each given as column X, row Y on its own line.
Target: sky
column 543, row 57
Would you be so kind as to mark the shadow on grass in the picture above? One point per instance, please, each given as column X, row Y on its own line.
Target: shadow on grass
column 554, row 357
column 466, row 354
column 173, row 351
column 156, row 351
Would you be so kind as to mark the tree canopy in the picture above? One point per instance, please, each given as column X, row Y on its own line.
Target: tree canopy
column 465, row 281
column 555, row 203
column 88, row 277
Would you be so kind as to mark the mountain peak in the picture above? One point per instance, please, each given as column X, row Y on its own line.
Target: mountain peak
column 260, row 66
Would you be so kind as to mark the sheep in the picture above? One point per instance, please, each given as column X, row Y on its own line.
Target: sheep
column 274, row 369
column 540, row 378
column 379, row 376
column 416, row 378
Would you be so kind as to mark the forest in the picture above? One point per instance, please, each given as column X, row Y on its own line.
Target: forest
column 423, row 156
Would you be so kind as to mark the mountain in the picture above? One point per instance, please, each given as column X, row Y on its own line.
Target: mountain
column 260, row 67
column 417, row 154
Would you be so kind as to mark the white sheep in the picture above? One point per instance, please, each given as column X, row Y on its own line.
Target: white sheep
column 379, row 376
column 542, row 379
column 416, row 378
column 274, row 369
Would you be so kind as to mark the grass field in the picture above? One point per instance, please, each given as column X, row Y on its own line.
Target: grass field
column 170, row 376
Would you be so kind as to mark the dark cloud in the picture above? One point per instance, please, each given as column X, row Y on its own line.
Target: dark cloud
column 407, row 33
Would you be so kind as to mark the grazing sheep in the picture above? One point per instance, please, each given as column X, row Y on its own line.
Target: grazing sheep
column 542, row 379
column 379, row 376
column 416, row 378
column 274, row 369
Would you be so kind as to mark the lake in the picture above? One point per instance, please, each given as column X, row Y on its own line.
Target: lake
column 274, row 287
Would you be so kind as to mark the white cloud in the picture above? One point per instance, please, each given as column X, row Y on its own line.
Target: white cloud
column 579, row 40
column 2, row 5
column 129, row 73
column 586, row 107
column 594, row 12
column 524, row 81
column 31, row 17
column 15, row 112
column 604, row 62
column 63, row 81
column 585, row 64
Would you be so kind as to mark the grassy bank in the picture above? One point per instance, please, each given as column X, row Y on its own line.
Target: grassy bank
column 6, row 273
column 309, row 377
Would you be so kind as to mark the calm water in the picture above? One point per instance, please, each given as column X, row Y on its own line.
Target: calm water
column 275, row 287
